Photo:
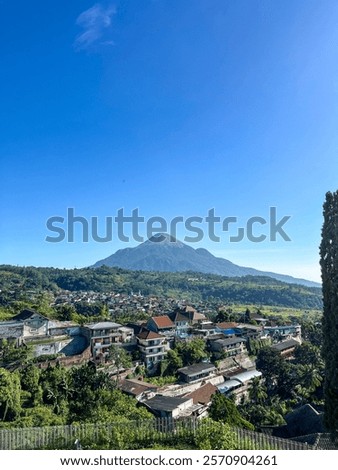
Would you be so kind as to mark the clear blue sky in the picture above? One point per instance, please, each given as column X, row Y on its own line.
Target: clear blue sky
column 173, row 107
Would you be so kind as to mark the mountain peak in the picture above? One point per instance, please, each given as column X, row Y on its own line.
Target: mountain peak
column 163, row 238
column 163, row 252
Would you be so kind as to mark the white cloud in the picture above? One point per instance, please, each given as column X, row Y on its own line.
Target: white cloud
column 95, row 23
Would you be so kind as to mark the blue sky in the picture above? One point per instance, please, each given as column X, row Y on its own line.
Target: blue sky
column 173, row 108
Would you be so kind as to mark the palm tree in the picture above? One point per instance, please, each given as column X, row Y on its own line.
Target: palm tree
column 310, row 378
column 257, row 391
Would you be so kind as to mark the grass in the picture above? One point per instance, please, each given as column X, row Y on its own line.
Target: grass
column 282, row 312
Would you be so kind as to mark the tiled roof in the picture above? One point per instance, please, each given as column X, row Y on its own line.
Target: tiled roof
column 147, row 334
column 203, row 394
column 163, row 321
column 136, row 387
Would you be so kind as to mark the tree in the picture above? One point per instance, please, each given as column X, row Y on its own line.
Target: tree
column 309, row 378
column 247, row 316
column 120, row 358
column 260, row 415
column 88, row 386
column 10, row 405
column 307, row 354
column 257, row 391
column 65, row 312
column 192, row 351
column 223, row 409
column 212, row 435
column 30, row 385
column 312, row 332
column 174, row 362
column 329, row 272
column 12, row 356
column 54, row 381
column 269, row 362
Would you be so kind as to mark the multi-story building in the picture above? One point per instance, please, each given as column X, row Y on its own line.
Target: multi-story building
column 28, row 324
column 101, row 336
column 162, row 325
column 281, row 333
column 196, row 372
column 152, row 346
column 228, row 346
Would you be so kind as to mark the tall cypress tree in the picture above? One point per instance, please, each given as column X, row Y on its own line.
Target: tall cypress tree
column 329, row 270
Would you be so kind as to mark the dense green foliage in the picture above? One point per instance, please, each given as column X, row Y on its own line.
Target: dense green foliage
column 191, row 286
column 329, row 268
column 224, row 410
column 286, row 384
column 184, row 353
column 30, row 396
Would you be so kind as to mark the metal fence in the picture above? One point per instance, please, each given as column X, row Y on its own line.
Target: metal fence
column 133, row 435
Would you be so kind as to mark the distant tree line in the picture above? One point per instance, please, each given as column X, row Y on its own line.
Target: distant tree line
column 205, row 287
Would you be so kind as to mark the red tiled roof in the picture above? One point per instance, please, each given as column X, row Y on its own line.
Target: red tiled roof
column 147, row 334
column 163, row 321
column 203, row 394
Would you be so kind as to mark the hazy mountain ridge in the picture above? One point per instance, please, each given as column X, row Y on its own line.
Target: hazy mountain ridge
column 171, row 255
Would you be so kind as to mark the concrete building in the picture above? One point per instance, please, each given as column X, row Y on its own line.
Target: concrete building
column 152, row 346
column 196, row 372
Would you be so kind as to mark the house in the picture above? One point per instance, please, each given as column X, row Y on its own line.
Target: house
column 238, row 384
column 101, row 336
column 138, row 389
column 227, row 328
column 34, row 324
column 202, row 396
column 152, row 346
column 286, row 348
column 162, row 325
column 231, row 387
column 181, row 323
column 27, row 324
column 204, row 328
column 59, row 328
column 258, row 318
column 228, row 346
column 195, row 372
column 283, row 332
column 137, row 327
column 127, row 334
column 47, row 337
column 168, row 407
column 304, row 420
column 192, row 316
column 246, row 330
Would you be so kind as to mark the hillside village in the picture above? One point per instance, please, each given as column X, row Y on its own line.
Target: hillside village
column 229, row 367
